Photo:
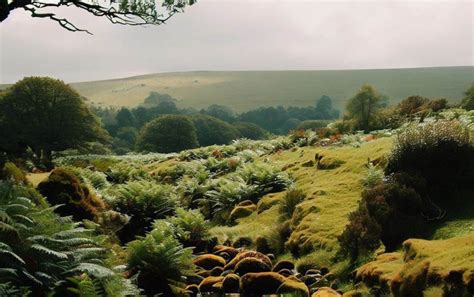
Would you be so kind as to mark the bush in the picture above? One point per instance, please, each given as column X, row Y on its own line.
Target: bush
column 64, row 188
column 211, row 130
column 159, row 260
column 192, row 230
column 166, row 134
column 441, row 152
column 312, row 124
column 11, row 172
column 468, row 101
column 250, row 130
column 144, row 202
column 268, row 178
column 412, row 105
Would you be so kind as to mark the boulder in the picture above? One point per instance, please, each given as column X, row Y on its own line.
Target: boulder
column 248, row 254
column 294, row 288
column 284, row 264
column 222, row 251
column 207, row 284
column 216, row 271
column 209, row 261
column 231, row 283
column 285, row 272
column 326, row 292
column 251, row 264
column 261, row 283
column 241, row 212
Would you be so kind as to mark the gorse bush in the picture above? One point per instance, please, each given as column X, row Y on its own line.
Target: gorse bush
column 144, row 202
column 159, row 260
column 41, row 250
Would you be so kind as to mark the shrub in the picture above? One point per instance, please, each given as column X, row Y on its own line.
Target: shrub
column 11, row 172
column 266, row 177
column 211, row 130
column 312, row 124
column 468, row 101
column 159, row 260
column 250, row 130
column 144, row 202
column 412, row 105
column 441, row 152
column 361, row 235
column 192, row 230
column 63, row 187
column 374, row 176
column 288, row 204
column 228, row 193
column 166, row 134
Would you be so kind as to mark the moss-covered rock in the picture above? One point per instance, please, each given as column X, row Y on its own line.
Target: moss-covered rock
column 326, row 292
column 242, row 242
column 261, row 283
column 63, row 187
column 241, row 212
column 222, row 250
column 246, row 203
column 216, row 271
column 192, row 290
column 248, row 254
column 251, row 265
column 284, row 264
column 231, row 283
column 285, row 272
column 207, row 284
column 294, row 288
column 209, row 261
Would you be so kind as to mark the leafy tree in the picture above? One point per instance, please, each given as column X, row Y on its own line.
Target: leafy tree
column 324, row 108
column 46, row 115
column 221, row 112
column 468, row 101
column 250, row 130
column 128, row 12
column 364, row 105
column 211, row 130
column 166, row 134
column 125, row 118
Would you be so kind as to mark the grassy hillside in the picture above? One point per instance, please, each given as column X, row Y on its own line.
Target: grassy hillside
column 244, row 90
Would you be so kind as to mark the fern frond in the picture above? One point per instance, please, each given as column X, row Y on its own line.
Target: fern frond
column 92, row 269
column 48, row 252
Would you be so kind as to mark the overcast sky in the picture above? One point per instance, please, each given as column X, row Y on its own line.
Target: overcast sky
column 245, row 35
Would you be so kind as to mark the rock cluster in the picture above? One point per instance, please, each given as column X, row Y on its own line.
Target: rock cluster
column 251, row 273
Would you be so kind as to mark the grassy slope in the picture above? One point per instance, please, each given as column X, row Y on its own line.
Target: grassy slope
column 331, row 196
column 245, row 90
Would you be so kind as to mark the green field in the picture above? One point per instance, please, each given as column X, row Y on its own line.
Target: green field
column 244, row 90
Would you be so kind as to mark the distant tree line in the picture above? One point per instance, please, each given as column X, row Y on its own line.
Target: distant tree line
column 217, row 124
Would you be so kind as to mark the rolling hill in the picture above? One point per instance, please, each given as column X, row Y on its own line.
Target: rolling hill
column 244, row 90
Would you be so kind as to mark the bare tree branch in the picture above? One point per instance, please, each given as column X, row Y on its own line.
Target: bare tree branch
column 127, row 12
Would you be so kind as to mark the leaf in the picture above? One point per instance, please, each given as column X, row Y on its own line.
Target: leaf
column 49, row 252
column 93, row 269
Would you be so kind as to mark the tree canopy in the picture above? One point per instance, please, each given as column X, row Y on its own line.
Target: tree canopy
column 211, row 130
column 45, row 115
column 167, row 134
column 363, row 106
column 124, row 12
column 468, row 101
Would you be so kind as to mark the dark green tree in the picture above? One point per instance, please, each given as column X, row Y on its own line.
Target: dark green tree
column 468, row 101
column 125, row 118
column 250, row 130
column 46, row 115
column 211, row 130
column 363, row 107
column 166, row 134
column 221, row 112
